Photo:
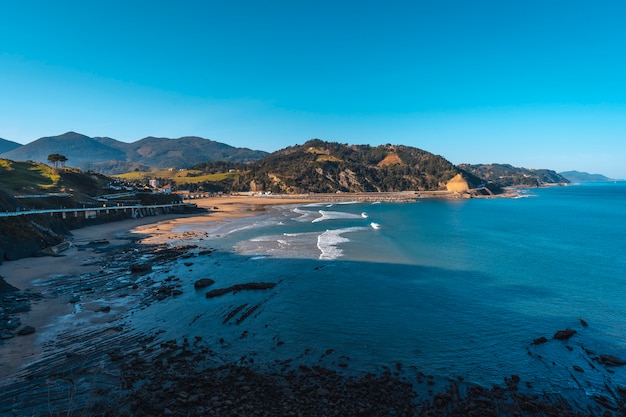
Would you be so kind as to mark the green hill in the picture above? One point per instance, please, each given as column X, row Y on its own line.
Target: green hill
column 36, row 186
column 329, row 167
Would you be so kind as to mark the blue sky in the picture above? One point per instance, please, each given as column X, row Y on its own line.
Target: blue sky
column 539, row 84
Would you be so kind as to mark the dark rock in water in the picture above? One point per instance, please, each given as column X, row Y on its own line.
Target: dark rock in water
column 564, row 334
column 10, row 324
column 5, row 287
column 26, row 330
column 578, row 368
column 5, row 334
column 99, row 242
column 540, row 340
column 188, row 264
column 105, row 309
column 176, row 292
column 143, row 268
column 203, row 283
column 239, row 287
column 218, row 292
column 611, row 360
column 116, row 354
column 583, row 322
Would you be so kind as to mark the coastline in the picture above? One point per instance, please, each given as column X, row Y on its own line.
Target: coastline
column 147, row 356
column 30, row 275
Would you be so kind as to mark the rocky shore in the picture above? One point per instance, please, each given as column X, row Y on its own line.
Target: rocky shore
column 110, row 370
column 100, row 365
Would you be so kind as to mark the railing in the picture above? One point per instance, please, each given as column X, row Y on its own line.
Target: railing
column 92, row 209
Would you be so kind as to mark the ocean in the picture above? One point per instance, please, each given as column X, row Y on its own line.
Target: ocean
column 449, row 288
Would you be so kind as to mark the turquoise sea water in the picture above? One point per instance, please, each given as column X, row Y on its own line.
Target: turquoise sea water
column 451, row 288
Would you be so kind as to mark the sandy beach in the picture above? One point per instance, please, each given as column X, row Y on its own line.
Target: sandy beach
column 154, row 229
column 31, row 274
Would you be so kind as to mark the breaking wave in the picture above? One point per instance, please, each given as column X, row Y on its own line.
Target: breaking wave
column 327, row 242
column 334, row 215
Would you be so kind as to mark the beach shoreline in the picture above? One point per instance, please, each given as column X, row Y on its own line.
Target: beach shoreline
column 85, row 256
column 101, row 351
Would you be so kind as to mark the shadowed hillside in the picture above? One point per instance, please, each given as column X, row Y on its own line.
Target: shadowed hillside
column 7, row 145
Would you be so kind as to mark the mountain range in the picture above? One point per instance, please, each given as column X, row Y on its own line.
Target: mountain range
column 315, row 166
column 111, row 156
column 7, row 145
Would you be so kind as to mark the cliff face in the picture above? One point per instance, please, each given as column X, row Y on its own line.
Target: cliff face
column 458, row 184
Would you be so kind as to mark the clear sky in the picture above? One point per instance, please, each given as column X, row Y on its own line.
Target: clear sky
column 534, row 83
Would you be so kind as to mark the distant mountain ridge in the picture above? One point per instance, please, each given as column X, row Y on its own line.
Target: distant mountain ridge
column 111, row 156
column 7, row 145
column 506, row 175
column 577, row 176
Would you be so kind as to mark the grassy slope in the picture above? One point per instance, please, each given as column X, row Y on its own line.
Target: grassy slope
column 27, row 176
column 179, row 177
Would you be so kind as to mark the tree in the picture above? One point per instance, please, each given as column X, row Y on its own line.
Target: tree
column 57, row 159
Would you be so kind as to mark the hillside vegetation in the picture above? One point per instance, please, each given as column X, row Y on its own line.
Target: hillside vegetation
column 191, row 176
column 330, row 167
column 577, row 176
column 505, row 175
column 110, row 156
column 26, row 186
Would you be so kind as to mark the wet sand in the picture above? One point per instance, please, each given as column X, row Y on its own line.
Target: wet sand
column 32, row 274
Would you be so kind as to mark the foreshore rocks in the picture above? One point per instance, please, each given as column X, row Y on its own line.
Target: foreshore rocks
column 564, row 334
column 239, row 287
column 13, row 302
column 178, row 382
column 203, row 283
column 118, row 371
column 610, row 360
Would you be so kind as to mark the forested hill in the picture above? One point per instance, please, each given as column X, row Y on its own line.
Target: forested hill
column 329, row 167
column 505, row 175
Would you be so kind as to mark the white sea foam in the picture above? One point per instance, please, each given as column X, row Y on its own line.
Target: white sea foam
column 364, row 215
column 327, row 242
column 286, row 245
column 305, row 215
column 375, row 226
column 334, row 215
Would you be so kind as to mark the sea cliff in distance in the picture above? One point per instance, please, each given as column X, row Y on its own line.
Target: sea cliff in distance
column 506, row 175
column 578, row 177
